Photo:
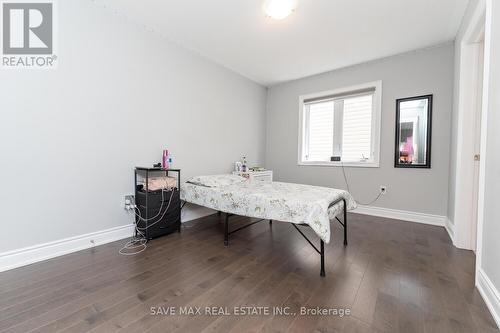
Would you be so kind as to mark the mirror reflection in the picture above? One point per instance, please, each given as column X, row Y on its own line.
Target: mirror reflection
column 413, row 132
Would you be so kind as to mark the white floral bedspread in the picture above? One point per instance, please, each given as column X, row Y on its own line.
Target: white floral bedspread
column 287, row 202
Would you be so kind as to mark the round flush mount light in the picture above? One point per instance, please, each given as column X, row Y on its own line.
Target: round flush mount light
column 279, row 9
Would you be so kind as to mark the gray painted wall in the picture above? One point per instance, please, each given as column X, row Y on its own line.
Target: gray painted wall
column 70, row 137
column 491, row 225
column 427, row 71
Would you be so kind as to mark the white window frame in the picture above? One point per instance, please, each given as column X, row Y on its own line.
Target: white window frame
column 376, row 125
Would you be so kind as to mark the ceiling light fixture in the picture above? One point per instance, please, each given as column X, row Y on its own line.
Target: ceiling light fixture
column 279, row 9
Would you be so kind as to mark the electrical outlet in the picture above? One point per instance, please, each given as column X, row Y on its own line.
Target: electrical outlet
column 383, row 189
column 129, row 202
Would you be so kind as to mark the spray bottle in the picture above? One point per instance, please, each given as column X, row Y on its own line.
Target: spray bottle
column 165, row 159
column 244, row 167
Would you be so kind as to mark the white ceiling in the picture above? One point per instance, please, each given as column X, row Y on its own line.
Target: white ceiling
column 321, row 35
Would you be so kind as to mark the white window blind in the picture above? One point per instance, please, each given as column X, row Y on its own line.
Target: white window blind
column 320, row 131
column 357, row 128
column 339, row 125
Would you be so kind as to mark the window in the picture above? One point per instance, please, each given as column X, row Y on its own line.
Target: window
column 341, row 127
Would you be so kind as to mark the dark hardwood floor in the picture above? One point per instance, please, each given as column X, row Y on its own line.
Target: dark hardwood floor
column 393, row 277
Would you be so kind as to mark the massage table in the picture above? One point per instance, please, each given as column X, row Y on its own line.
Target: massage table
column 298, row 204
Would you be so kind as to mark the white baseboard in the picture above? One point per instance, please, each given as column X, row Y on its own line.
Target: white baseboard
column 450, row 228
column 490, row 294
column 437, row 220
column 32, row 254
column 29, row 255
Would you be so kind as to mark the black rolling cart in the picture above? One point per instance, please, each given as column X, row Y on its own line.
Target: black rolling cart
column 155, row 204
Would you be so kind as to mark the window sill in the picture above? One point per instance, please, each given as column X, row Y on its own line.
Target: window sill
column 340, row 164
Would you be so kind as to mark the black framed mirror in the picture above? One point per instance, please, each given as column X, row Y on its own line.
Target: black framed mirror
column 413, row 132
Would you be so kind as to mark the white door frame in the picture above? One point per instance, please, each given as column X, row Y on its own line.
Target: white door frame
column 467, row 111
column 484, row 127
column 477, row 144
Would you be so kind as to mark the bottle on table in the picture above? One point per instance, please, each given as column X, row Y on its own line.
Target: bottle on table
column 244, row 167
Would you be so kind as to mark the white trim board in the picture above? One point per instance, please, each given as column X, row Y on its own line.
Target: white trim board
column 40, row 252
column 450, row 228
column 32, row 254
column 466, row 99
column 404, row 215
column 490, row 294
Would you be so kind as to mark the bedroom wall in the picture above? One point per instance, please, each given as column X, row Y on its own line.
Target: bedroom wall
column 70, row 137
column 428, row 71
